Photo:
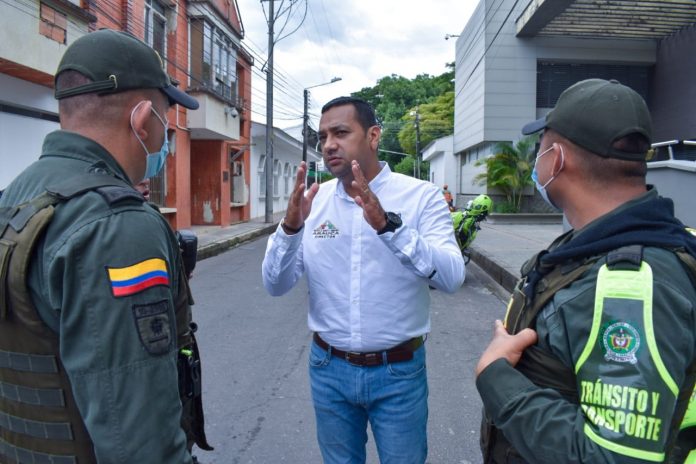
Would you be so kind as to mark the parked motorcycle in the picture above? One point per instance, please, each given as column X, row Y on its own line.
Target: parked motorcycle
column 467, row 222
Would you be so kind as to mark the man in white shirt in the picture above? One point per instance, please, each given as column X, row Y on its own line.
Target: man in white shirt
column 371, row 242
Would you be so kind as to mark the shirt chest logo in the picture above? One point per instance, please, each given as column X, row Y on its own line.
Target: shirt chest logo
column 326, row 230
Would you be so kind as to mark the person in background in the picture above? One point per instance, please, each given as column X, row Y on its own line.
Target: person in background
column 596, row 359
column 144, row 188
column 370, row 242
column 448, row 197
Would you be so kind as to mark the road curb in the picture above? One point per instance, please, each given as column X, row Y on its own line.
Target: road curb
column 215, row 248
column 499, row 274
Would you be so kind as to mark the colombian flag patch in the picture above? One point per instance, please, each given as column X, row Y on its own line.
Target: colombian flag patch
column 126, row 281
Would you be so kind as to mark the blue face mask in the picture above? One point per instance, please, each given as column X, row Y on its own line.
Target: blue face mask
column 535, row 177
column 155, row 161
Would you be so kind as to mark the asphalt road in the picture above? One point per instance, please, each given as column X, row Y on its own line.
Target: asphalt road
column 255, row 348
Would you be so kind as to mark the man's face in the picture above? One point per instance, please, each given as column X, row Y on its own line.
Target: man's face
column 343, row 140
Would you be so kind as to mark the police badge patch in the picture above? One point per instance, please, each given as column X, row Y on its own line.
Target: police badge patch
column 154, row 327
column 621, row 341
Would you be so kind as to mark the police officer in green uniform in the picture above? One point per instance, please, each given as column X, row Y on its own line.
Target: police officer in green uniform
column 97, row 359
column 595, row 361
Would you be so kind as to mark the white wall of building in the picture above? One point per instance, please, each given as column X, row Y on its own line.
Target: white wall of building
column 21, row 137
column 443, row 165
column 287, row 155
column 21, row 43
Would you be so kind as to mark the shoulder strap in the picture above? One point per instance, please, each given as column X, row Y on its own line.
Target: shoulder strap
column 73, row 186
column 21, row 228
column 559, row 278
column 678, row 447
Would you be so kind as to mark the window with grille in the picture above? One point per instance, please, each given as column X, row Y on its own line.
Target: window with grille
column 262, row 176
column 155, row 26
column 276, row 177
column 553, row 78
column 286, row 177
column 213, row 59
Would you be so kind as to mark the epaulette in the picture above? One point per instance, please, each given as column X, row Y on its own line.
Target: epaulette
column 117, row 194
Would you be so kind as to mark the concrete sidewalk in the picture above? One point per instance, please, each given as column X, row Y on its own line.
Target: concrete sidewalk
column 501, row 248
column 502, row 245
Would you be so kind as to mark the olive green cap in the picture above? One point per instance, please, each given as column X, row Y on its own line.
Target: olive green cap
column 117, row 61
column 595, row 113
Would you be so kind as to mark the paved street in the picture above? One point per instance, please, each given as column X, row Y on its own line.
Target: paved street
column 254, row 348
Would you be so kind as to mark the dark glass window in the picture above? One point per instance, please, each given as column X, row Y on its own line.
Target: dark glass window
column 553, row 78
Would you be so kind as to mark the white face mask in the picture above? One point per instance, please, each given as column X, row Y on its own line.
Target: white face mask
column 535, row 176
column 155, row 161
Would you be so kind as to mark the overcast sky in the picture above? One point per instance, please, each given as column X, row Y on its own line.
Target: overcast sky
column 357, row 40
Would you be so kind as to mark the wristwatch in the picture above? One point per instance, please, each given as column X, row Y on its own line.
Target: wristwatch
column 393, row 223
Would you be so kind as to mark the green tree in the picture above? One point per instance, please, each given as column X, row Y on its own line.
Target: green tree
column 394, row 96
column 436, row 120
column 509, row 169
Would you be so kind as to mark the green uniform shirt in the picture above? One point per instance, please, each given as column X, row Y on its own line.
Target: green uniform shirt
column 105, row 277
column 540, row 423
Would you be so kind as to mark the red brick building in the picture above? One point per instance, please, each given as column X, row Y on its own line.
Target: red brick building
column 206, row 180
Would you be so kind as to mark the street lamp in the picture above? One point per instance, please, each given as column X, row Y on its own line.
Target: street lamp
column 449, row 36
column 305, row 117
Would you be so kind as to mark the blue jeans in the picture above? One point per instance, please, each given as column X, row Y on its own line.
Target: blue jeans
column 393, row 397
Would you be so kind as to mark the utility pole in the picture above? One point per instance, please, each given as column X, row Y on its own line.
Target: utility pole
column 269, row 116
column 305, row 116
column 305, row 125
column 417, row 167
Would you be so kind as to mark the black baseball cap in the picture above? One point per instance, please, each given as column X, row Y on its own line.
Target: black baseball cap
column 595, row 113
column 117, row 61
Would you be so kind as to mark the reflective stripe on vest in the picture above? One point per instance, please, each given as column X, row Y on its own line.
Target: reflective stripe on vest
column 624, row 412
column 690, row 416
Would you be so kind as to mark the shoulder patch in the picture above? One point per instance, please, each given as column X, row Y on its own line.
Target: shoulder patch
column 116, row 194
column 154, row 326
column 126, row 281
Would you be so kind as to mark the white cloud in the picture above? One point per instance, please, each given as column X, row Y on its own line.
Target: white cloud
column 357, row 40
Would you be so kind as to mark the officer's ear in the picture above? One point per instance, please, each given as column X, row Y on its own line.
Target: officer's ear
column 140, row 115
column 559, row 159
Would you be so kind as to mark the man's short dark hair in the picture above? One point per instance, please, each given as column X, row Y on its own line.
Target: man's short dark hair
column 603, row 170
column 365, row 112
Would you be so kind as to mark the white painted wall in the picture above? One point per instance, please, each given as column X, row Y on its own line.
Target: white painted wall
column 443, row 164
column 287, row 154
column 676, row 180
column 20, row 41
column 21, row 137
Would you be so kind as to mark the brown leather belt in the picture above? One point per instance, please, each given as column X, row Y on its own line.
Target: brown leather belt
column 400, row 353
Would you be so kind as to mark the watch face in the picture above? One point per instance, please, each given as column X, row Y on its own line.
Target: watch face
column 394, row 220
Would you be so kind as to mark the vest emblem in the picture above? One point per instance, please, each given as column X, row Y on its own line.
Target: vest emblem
column 621, row 342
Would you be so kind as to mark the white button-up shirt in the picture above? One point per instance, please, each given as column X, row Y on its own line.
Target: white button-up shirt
column 369, row 292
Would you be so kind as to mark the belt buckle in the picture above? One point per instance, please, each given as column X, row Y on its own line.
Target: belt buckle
column 354, row 358
column 364, row 359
